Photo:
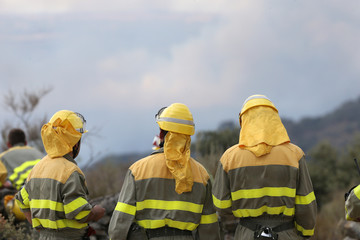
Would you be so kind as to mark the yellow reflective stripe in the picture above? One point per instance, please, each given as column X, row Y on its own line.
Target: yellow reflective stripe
column 74, row 205
column 264, row 209
column 25, row 197
column 357, row 191
column 222, row 204
column 208, row 219
column 125, row 208
column 169, row 205
column 21, row 180
column 52, row 205
column 305, row 232
column 22, row 206
column 21, row 168
column 151, row 224
column 304, row 200
column 58, row 224
column 261, row 192
column 82, row 214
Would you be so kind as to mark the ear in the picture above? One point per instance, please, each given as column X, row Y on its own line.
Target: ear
column 25, row 142
column 8, row 145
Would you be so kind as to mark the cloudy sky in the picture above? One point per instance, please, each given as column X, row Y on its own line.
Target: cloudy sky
column 118, row 62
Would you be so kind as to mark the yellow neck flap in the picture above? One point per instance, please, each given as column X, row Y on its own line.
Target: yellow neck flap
column 177, row 154
column 59, row 137
column 261, row 129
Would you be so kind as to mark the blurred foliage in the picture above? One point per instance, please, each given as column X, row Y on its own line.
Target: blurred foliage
column 105, row 178
column 22, row 107
column 328, row 219
column 210, row 142
column 323, row 170
column 10, row 230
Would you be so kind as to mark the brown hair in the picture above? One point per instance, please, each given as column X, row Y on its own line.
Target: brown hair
column 16, row 136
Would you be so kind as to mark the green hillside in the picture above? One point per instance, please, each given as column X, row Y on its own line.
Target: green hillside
column 339, row 127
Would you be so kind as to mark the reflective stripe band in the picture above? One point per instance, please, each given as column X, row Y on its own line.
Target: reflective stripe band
column 82, row 215
column 222, row 204
column 264, row 209
column 74, row 205
column 18, row 183
column 304, row 200
column 305, row 232
column 21, row 168
column 21, row 173
column 261, row 192
column 21, row 205
column 176, row 120
column 48, row 204
column 58, row 224
column 151, row 224
column 255, row 97
column 25, row 198
column 169, row 205
column 209, row 219
column 357, row 192
column 125, row 208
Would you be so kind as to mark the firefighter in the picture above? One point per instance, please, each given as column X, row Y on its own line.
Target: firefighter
column 18, row 160
column 352, row 204
column 263, row 181
column 54, row 198
column 15, row 165
column 167, row 195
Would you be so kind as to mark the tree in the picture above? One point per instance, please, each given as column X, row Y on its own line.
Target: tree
column 23, row 107
column 210, row 145
column 323, row 171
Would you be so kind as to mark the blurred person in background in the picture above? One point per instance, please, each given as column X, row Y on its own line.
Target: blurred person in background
column 15, row 165
column 55, row 197
column 352, row 204
column 263, row 181
column 167, row 195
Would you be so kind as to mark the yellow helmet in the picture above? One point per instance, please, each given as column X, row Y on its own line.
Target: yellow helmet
column 176, row 118
column 76, row 119
column 256, row 100
column 12, row 207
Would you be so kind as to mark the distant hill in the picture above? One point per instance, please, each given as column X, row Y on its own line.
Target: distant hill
column 339, row 127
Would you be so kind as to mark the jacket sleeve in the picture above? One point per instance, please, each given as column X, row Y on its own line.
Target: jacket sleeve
column 125, row 210
column 352, row 205
column 305, row 202
column 22, row 199
column 209, row 225
column 3, row 174
column 222, row 192
column 74, row 193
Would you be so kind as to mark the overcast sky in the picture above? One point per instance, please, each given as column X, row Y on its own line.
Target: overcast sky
column 118, row 62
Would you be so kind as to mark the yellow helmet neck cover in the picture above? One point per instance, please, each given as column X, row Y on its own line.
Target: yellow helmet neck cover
column 62, row 132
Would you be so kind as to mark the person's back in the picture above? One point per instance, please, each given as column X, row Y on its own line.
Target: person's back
column 166, row 195
column 19, row 159
column 263, row 181
column 55, row 196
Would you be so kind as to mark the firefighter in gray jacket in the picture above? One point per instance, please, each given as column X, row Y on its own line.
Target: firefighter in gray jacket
column 263, row 181
column 167, row 194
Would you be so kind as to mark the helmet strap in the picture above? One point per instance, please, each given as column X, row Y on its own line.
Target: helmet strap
column 76, row 149
column 162, row 137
